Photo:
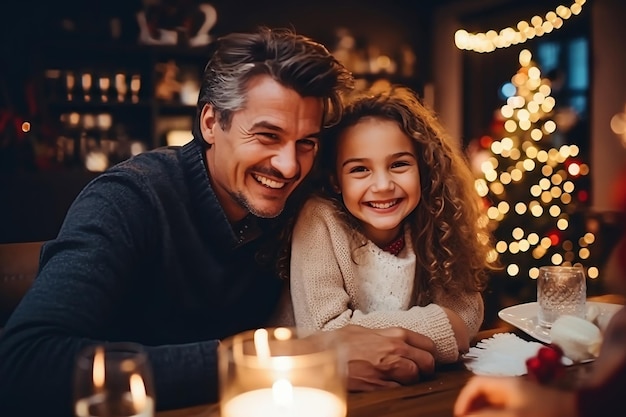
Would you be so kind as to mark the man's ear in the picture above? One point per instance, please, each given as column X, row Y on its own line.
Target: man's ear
column 208, row 122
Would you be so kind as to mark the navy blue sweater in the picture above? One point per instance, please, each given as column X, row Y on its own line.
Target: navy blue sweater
column 146, row 255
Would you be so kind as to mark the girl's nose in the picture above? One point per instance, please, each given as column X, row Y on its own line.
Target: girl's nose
column 383, row 182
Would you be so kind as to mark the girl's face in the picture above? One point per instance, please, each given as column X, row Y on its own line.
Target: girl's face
column 378, row 176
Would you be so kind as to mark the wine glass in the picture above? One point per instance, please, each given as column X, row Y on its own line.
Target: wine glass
column 135, row 86
column 120, row 86
column 113, row 380
column 104, row 83
column 87, row 83
column 70, row 83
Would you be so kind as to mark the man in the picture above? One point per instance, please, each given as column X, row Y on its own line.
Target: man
column 175, row 249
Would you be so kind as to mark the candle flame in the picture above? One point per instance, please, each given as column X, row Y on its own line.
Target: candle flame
column 137, row 392
column 282, row 391
column 261, row 344
column 98, row 367
column 282, row 333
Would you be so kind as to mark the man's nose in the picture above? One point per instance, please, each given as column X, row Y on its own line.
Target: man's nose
column 286, row 161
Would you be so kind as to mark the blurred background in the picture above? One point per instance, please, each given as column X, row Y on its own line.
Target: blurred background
column 533, row 91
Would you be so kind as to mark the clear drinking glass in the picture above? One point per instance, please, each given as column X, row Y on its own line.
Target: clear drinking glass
column 113, row 380
column 276, row 373
column 560, row 290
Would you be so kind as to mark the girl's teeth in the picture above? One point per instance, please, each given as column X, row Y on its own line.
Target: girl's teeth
column 383, row 205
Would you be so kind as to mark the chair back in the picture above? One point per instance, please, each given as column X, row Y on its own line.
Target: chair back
column 19, row 264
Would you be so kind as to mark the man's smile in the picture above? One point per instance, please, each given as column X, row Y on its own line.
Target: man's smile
column 269, row 183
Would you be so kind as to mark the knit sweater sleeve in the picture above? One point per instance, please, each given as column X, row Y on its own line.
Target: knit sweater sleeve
column 319, row 296
column 431, row 321
column 324, row 286
column 468, row 305
column 83, row 274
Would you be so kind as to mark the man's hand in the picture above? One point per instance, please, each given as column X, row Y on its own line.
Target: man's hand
column 381, row 358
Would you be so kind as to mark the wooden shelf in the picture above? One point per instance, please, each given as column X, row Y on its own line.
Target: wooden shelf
column 57, row 58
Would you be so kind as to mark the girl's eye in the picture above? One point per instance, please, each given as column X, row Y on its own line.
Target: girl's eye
column 400, row 164
column 358, row 169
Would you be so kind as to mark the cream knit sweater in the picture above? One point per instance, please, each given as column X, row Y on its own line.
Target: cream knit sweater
column 333, row 285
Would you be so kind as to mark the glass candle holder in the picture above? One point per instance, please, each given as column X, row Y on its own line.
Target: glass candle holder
column 560, row 290
column 277, row 373
column 113, row 380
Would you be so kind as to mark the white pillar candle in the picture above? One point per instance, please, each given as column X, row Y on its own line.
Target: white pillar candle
column 305, row 402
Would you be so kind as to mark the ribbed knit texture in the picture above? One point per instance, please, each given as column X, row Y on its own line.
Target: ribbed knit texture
column 333, row 284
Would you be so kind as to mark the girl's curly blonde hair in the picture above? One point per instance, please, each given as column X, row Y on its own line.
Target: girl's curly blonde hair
column 450, row 237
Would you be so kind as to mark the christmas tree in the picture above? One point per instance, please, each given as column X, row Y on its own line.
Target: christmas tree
column 535, row 189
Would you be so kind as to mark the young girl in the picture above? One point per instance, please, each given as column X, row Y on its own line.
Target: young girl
column 395, row 238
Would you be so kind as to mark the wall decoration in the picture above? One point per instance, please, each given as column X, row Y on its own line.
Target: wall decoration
column 171, row 22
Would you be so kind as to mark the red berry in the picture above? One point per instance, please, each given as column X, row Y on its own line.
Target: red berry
column 557, row 348
column 537, row 370
column 546, row 365
column 548, row 355
column 533, row 364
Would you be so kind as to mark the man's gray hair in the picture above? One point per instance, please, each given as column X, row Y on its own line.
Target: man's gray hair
column 293, row 60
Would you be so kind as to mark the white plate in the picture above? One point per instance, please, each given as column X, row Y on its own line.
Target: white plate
column 524, row 317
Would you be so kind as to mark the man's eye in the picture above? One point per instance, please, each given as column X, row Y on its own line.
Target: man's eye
column 307, row 144
column 267, row 136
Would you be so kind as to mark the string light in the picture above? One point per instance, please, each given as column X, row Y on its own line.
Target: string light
column 538, row 26
column 618, row 125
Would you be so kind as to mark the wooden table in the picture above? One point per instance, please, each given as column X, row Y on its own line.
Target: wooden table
column 429, row 398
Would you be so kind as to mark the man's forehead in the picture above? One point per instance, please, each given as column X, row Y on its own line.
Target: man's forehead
column 286, row 115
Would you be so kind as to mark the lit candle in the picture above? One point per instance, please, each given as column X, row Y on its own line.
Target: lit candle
column 138, row 392
column 98, row 369
column 305, row 402
column 267, row 374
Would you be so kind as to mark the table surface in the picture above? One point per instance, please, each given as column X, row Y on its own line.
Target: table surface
column 430, row 398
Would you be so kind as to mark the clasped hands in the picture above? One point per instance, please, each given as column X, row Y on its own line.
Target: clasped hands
column 383, row 358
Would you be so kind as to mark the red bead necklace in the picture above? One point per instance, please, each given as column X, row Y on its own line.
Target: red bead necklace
column 395, row 246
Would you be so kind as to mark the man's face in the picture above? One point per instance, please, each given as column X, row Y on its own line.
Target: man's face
column 268, row 150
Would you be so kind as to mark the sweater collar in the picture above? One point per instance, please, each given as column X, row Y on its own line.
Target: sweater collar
column 208, row 212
